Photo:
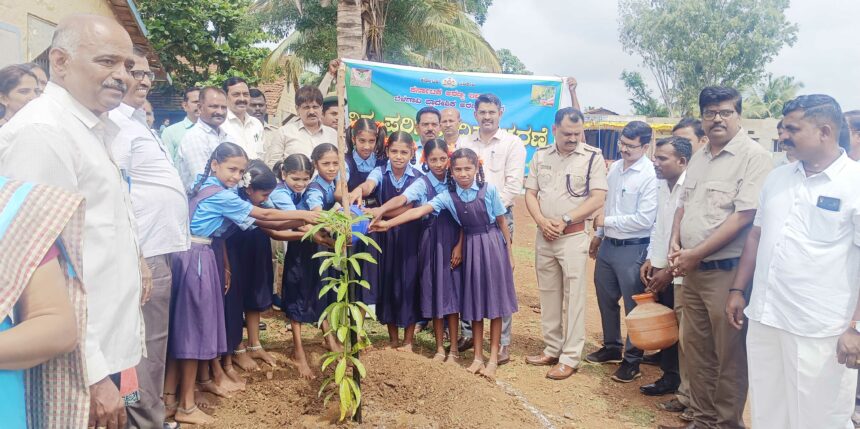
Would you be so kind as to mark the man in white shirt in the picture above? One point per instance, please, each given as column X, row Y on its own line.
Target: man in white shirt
column 202, row 139
column 161, row 210
column 449, row 122
column 304, row 135
column 60, row 139
column 504, row 157
column 172, row 135
column 802, row 257
column 427, row 124
column 243, row 129
column 621, row 243
column 258, row 108
column 671, row 156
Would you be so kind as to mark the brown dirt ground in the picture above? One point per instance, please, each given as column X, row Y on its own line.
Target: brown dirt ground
column 409, row 390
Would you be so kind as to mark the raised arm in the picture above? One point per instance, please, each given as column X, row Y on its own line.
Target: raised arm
column 262, row 214
column 409, row 216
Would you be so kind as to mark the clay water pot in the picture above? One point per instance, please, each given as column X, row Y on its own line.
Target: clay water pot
column 651, row 325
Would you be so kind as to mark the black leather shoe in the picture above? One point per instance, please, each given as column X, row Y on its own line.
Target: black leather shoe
column 627, row 372
column 464, row 344
column 604, row 355
column 659, row 388
column 652, row 359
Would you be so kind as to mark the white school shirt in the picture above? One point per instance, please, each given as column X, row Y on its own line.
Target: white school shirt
column 248, row 134
column 631, row 201
column 667, row 202
column 157, row 195
column 504, row 161
column 54, row 140
column 807, row 270
column 196, row 148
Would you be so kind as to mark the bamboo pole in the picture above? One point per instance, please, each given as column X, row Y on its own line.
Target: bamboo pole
column 347, row 210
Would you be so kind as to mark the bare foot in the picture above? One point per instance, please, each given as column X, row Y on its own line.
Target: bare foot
column 452, row 359
column 193, row 416
column 332, row 345
column 489, row 371
column 205, row 401
column 439, row 357
column 214, row 389
column 305, row 370
column 406, row 347
column 233, row 382
column 242, row 360
column 476, row 366
column 257, row 352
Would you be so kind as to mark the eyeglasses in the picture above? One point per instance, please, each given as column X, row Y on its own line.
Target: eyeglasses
column 587, row 180
column 711, row 114
column 140, row 74
column 630, row 146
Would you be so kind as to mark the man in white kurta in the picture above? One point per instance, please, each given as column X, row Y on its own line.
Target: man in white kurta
column 803, row 257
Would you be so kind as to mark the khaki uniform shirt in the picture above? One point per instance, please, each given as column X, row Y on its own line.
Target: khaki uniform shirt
column 270, row 134
column 550, row 173
column 717, row 186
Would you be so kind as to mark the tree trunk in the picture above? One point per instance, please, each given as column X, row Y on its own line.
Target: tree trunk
column 350, row 42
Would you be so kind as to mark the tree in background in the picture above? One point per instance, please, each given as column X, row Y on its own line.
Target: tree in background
column 642, row 100
column 425, row 33
column 204, row 41
column 690, row 44
column 766, row 99
column 510, row 63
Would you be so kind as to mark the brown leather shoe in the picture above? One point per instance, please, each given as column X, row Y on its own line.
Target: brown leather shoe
column 541, row 360
column 560, row 372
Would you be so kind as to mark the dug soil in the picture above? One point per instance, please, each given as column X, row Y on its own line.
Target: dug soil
column 409, row 390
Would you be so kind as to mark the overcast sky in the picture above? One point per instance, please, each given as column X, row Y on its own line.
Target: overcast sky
column 580, row 38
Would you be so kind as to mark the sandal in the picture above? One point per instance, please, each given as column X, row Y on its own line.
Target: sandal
column 439, row 357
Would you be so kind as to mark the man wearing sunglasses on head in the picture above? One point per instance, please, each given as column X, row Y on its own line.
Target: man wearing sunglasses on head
column 621, row 243
column 566, row 185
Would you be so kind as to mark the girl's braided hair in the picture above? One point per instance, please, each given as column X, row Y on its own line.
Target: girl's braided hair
column 473, row 158
column 220, row 154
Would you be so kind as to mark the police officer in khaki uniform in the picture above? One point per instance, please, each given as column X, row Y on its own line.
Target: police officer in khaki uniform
column 566, row 185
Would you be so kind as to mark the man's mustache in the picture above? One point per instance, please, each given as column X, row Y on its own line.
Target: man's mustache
column 115, row 84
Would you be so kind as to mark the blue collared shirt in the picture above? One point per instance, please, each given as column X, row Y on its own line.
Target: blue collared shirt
column 284, row 198
column 417, row 191
column 377, row 174
column 492, row 201
column 315, row 198
column 212, row 211
column 631, row 201
column 364, row 165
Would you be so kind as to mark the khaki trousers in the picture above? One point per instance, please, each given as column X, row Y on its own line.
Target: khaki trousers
column 683, row 393
column 714, row 352
column 561, row 271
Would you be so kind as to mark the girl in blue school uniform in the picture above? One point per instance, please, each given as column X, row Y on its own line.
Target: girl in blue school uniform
column 197, row 328
column 250, row 254
column 366, row 152
column 398, row 297
column 440, row 249
column 301, row 279
column 487, row 272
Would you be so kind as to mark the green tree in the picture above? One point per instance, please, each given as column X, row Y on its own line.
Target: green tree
column 204, row 41
column 510, row 63
column 425, row 33
column 766, row 99
column 642, row 100
column 691, row 44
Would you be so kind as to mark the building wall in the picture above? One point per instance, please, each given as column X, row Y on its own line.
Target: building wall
column 26, row 26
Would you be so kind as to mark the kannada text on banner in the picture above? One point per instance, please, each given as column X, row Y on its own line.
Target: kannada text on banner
column 393, row 95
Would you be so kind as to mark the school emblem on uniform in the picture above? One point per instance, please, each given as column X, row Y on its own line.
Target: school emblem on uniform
column 361, row 78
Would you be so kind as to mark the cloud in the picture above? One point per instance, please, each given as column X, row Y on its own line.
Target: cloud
column 580, row 39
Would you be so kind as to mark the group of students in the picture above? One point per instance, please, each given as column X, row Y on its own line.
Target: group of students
column 445, row 254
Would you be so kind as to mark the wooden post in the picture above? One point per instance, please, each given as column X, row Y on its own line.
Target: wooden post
column 347, row 210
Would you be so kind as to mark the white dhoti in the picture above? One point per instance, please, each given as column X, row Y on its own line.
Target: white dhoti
column 796, row 382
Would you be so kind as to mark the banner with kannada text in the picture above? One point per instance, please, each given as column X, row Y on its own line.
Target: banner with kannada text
column 393, row 94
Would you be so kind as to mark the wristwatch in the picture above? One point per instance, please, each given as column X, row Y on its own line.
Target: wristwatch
column 566, row 219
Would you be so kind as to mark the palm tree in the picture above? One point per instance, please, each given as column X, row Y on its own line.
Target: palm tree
column 436, row 33
column 766, row 99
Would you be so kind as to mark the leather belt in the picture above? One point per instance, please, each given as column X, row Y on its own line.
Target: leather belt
column 719, row 264
column 628, row 241
column 574, row 228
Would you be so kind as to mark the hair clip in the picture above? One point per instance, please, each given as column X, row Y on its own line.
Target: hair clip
column 480, row 162
column 352, row 124
column 380, row 124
